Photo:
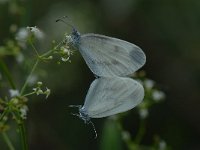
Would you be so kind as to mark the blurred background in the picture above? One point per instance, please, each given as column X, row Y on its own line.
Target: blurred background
column 168, row 31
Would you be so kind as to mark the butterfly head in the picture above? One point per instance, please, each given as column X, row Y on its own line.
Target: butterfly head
column 84, row 115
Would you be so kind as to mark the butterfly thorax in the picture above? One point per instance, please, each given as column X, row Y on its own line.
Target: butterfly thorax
column 75, row 36
column 84, row 115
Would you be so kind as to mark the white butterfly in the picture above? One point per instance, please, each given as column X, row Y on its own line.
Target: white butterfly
column 109, row 96
column 107, row 56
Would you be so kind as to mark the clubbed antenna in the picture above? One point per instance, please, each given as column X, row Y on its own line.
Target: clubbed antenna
column 66, row 22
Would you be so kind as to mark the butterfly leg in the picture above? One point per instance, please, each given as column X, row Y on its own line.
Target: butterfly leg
column 90, row 122
column 77, row 106
column 75, row 115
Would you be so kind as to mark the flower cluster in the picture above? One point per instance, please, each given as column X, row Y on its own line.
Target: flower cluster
column 16, row 107
column 37, row 90
column 152, row 95
column 65, row 53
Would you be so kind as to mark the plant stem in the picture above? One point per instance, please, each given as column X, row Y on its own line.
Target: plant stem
column 140, row 133
column 47, row 53
column 7, row 140
column 22, row 130
column 25, row 95
column 23, row 135
column 26, row 82
column 34, row 49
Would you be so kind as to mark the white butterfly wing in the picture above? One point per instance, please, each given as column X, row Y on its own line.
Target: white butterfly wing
column 108, row 96
column 107, row 56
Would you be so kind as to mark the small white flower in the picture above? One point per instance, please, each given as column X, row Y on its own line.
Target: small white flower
column 13, row 93
column 143, row 112
column 50, row 57
column 149, row 83
column 37, row 33
column 22, row 36
column 64, row 59
column 39, row 83
column 33, row 78
column 23, row 111
column 126, row 135
column 34, row 89
column 65, row 49
column 68, row 39
column 38, row 92
column 20, row 58
column 158, row 95
column 47, row 92
column 162, row 145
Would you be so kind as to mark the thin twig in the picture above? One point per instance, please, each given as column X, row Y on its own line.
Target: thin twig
column 26, row 82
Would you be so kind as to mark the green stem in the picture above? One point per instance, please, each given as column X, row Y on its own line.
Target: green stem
column 23, row 135
column 25, row 95
column 140, row 133
column 47, row 53
column 52, row 50
column 34, row 48
column 26, row 82
column 7, row 140
column 22, row 130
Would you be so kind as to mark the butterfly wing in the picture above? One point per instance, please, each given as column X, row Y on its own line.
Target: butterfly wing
column 107, row 56
column 108, row 96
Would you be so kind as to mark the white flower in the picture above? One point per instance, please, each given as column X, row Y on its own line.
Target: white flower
column 149, row 83
column 158, row 95
column 32, row 79
column 162, row 145
column 13, row 93
column 20, row 58
column 23, row 111
column 22, row 36
column 34, row 89
column 38, row 92
column 50, row 57
column 39, row 83
column 68, row 39
column 126, row 135
column 47, row 92
column 65, row 49
column 37, row 33
column 143, row 112
column 64, row 59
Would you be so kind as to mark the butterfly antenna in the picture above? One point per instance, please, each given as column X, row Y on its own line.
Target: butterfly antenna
column 67, row 23
column 94, row 129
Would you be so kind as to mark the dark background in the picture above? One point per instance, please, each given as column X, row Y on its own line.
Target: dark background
column 169, row 33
